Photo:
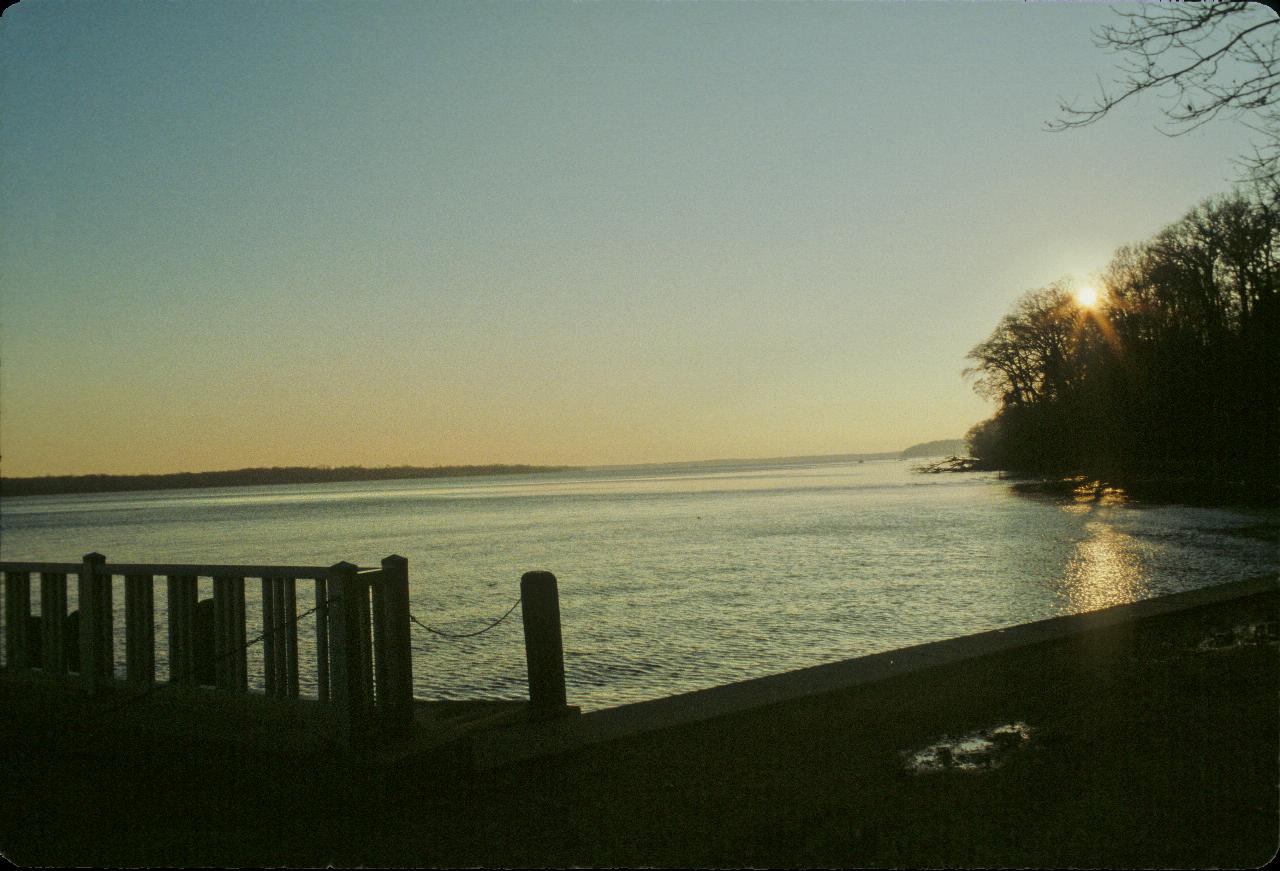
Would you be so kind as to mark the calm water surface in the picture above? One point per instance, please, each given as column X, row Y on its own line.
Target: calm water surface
column 674, row 578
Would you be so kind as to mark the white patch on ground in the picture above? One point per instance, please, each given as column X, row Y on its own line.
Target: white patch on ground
column 1237, row 636
column 978, row 751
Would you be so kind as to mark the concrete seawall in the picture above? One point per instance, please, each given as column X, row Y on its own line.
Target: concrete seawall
column 529, row 740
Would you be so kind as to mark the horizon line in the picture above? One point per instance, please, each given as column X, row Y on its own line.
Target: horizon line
column 834, row 457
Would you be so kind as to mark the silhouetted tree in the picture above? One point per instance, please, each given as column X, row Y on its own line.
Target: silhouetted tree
column 1205, row 60
column 1176, row 373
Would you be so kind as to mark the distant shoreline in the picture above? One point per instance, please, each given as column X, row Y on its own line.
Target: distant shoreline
column 54, row 485
column 49, row 485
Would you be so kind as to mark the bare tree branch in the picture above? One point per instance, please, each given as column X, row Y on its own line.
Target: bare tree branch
column 1206, row 61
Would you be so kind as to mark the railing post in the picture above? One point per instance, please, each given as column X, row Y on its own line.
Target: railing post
column 95, row 611
column 543, row 647
column 348, row 684
column 394, row 654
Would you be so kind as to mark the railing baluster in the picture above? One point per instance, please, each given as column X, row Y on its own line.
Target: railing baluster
column 140, row 629
column 106, row 624
column 222, row 666
column 269, row 635
column 322, row 639
column 173, row 607
column 281, row 651
column 130, row 612
column 240, row 659
column 17, row 611
column 183, row 592
column 291, row 636
column 282, row 641
column 53, row 617
column 378, row 636
column 93, row 663
column 365, row 640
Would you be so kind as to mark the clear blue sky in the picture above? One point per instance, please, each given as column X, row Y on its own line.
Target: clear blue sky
column 239, row 234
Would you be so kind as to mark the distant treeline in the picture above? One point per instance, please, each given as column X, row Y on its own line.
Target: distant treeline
column 49, row 484
column 936, row 448
column 1174, row 373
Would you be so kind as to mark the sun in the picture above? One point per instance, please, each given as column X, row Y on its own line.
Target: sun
column 1087, row 297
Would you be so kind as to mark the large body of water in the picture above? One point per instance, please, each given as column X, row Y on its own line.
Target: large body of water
column 675, row 578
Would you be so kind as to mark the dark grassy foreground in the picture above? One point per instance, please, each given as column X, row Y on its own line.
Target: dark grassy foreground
column 1147, row 752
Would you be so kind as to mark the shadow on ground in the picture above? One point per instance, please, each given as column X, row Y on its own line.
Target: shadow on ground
column 1143, row 747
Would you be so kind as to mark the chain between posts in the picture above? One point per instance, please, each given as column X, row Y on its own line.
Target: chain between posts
column 451, row 635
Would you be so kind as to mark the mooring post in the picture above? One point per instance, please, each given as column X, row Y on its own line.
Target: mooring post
column 395, row 695
column 94, row 660
column 543, row 646
column 349, row 686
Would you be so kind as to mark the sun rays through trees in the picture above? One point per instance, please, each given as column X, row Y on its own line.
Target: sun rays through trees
column 1171, row 370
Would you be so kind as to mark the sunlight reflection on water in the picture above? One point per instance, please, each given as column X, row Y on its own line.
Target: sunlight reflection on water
column 1105, row 569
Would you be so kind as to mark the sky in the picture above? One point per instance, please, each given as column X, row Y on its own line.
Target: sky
column 378, row 233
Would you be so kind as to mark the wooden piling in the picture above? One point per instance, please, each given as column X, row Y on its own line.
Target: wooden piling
column 349, row 685
column 395, row 655
column 543, row 646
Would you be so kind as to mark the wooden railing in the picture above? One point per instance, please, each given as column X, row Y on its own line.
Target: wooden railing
column 363, row 664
